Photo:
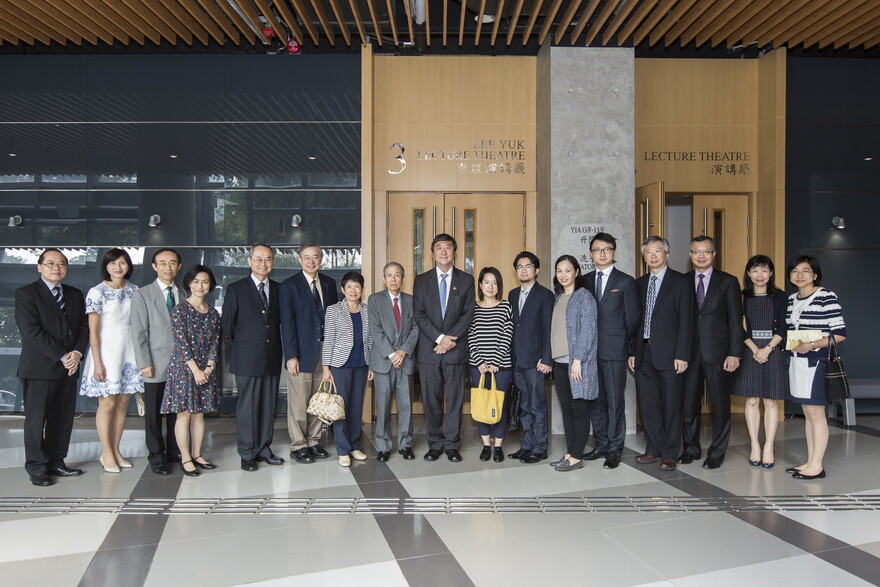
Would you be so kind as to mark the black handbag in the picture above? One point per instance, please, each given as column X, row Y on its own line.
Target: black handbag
column 836, row 385
column 513, row 423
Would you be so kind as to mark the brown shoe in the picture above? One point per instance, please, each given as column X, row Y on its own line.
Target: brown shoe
column 647, row 459
column 667, row 465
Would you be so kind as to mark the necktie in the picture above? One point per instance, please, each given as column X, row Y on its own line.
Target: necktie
column 599, row 285
column 701, row 291
column 263, row 299
column 169, row 299
column 58, row 297
column 319, row 305
column 443, row 277
column 649, row 311
column 522, row 299
column 397, row 314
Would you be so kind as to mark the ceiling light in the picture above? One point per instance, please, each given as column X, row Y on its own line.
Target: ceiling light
column 312, row 157
column 14, row 221
column 868, row 158
column 155, row 221
column 295, row 221
column 173, row 156
column 13, row 154
column 487, row 18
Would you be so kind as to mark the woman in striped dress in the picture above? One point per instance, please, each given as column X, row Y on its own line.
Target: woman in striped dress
column 811, row 308
column 489, row 339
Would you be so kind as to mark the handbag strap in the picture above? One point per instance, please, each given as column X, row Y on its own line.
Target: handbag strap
column 832, row 348
column 328, row 386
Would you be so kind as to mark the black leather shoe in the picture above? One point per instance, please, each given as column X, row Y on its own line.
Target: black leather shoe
column 685, row 459
column 382, row 456
column 207, row 465
column 486, row 453
column 432, row 455
column 272, row 459
column 194, row 472
column 161, row 469
column 712, row 463
column 318, row 452
column 518, row 455
column 172, row 458
column 534, row 457
column 819, row 475
column 594, row 455
column 792, row 470
column 407, row 453
column 453, row 455
column 611, row 461
column 302, row 455
column 498, row 457
column 63, row 471
column 41, row 480
column 249, row 466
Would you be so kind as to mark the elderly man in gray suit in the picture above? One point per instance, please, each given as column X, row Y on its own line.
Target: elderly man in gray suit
column 151, row 308
column 395, row 335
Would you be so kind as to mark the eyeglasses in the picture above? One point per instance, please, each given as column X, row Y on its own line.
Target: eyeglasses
column 171, row 264
column 54, row 264
column 801, row 271
column 700, row 252
column 603, row 250
column 528, row 266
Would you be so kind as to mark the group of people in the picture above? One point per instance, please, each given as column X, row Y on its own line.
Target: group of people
column 676, row 332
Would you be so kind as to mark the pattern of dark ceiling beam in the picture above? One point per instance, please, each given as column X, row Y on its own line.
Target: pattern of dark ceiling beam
column 838, row 25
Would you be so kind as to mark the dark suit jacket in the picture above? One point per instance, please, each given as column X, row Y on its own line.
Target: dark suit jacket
column 386, row 337
column 618, row 314
column 255, row 336
column 459, row 314
column 47, row 333
column 531, row 331
column 300, row 321
column 718, row 325
column 672, row 321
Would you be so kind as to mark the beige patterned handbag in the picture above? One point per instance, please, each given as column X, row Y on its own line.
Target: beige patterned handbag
column 326, row 404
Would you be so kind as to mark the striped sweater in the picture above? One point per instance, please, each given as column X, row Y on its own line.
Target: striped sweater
column 822, row 312
column 490, row 336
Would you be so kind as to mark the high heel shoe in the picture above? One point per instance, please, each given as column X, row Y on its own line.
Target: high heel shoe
column 206, row 465
column 755, row 463
column 106, row 468
column 123, row 463
column 193, row 473
column 486, row 454
column 499, row 455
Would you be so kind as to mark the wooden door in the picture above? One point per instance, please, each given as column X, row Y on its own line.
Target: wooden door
column 651, row 218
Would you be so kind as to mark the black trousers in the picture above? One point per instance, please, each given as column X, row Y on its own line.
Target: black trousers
column 49, row 405
column 575, row 412
column 607, row 412
column 659, row 393
column 439, row 382
column 255, row 415
column 161, row 447
column 718, row 382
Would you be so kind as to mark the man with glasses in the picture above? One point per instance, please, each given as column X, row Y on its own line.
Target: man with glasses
column 51, row 320
column 660, row 352
column 151, row 308
column 718, row 345
column 532, row 305
column 250, row 321
column 305, row 296
column 618, row 317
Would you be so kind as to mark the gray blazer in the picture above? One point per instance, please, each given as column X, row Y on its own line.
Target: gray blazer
column 151, row 331
column 386, row 338
column 582, row 334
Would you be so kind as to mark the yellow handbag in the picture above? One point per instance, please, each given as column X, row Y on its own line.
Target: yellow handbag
column 486, row 403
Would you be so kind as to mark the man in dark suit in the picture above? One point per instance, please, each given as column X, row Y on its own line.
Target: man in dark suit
column 443, row 305
column 395, row 334
column 660, row 353
column 250, row 321
column 532, row 305
column 51, row 320
column 718, row 345
column 153, row 339
column 618, row 318
column 305, row 298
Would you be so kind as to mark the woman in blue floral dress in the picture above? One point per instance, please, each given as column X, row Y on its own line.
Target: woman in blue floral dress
column 191, row 390
column 110, row 372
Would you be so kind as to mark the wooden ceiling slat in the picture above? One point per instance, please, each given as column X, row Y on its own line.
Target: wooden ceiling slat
column 109, row 12
column 584, row 20
column 71, row 14
column 340, row 20
column 566, row 20
column 601, row 19
column 822, row 23
column 288, row 16
column 652, row 21
column 789, row 22
column 269, row 15
column 872, row 42
column 460, row 23
column 618, row 19
column 178, row 14
column 7, row 37
column 148, row 16
column 807, row 22
column 530, row 24
column 446, row 19
column 116, row 32
column 548, row 20
column 498, row 12
column 205, row 20
column 685, row 21
column 656, row 33
column 394, row 25
column 238, row 21
column 253, row 18
column 359, row 21
column 708, row 19
column 16, row 32
column 723, row 19
column 871, row 30
column 325, row 22
column 166, row 18
column 427, row 23
column 738, row 36
column 54, row 20
column 844, row 25
column 479, row 22
column 376, row 28
column 789, row 7
column 23, row 24
column 513, row 20
column 637, row 18
column 220, row 20
column 741, row 18
column 857, row 29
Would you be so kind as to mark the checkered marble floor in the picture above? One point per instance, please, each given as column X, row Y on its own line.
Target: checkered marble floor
column 443, row 523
